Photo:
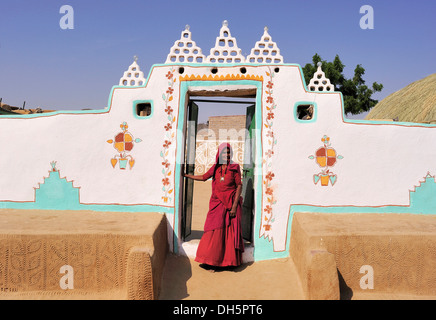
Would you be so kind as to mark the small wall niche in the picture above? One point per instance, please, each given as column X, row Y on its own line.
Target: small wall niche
column 305, row 111
column 143, row 109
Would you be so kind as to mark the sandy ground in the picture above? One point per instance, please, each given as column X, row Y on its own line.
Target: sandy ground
column 277, row 279
column 183, row 278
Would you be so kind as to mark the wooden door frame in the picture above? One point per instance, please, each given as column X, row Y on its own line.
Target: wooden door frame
column 185, row 94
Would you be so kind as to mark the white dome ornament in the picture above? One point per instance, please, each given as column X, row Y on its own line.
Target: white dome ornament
column 226, row 49
column 319, row 82
column 265, row 50
column 185, row 50
column 133, row 77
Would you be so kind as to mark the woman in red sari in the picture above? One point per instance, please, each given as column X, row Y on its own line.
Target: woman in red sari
column 221, row 244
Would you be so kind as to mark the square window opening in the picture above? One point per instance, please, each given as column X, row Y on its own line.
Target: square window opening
column 305, row 112
column 143, row 109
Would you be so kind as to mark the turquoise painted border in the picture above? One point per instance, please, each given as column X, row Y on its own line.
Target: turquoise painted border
column 57, row 193
column 258, row 124
column 71, row 112
column 54, row 113
column 315, row 111
column 263, row 247
column 136, row 102
column 422, row 202
column 218, row 65
column 268, row 253
column 91, row 207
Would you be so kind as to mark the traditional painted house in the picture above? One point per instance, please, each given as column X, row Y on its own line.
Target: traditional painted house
column 301, row 153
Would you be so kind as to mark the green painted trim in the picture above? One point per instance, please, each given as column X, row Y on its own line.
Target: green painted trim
column 49, row 114
column 136, row 102
column 315, row 111
column 268, row 253
column 392, row 123
column 259, row 244
column 258, row 124
column 90, row 207
column 57, row 193
column 378, row 122
column 179, row 162
column 422, row 202
column 218, row 65
column 59, row 112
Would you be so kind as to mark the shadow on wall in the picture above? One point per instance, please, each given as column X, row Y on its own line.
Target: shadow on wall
column 176, row 273
column 346, row 293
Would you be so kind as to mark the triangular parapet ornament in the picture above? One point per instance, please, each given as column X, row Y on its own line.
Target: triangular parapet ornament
column 185, row 50
column 265, row 51
column 319, row 82
column 133, row 77
column 226, row 49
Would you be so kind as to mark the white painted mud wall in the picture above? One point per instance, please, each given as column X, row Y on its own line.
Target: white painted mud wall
column 380, row 161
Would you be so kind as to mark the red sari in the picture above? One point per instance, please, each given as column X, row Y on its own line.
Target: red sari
column 222, row 244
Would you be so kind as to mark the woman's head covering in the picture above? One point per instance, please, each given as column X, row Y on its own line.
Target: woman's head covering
column 221, row 148
column 218, row 161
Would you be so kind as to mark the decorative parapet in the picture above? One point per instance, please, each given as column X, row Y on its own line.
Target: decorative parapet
column 319, row 82
column 133, row 77
column 265, row 51
column 226, row 49
column 185, row 49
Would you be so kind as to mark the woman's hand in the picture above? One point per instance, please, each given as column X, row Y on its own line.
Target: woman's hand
column 232, row 212
column 236, row 201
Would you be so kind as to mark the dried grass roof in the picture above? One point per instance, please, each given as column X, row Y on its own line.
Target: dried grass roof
column 414, row 103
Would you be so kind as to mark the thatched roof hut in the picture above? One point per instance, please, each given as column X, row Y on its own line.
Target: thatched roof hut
column 414, row 103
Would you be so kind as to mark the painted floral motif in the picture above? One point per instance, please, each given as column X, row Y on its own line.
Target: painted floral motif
column 268, row 194
column 326, row 157
column 169, row 127
column 123, row 142
column 53, row 166
column 271, row 141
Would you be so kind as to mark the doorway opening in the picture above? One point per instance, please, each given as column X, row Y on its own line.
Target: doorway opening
column 211, row 120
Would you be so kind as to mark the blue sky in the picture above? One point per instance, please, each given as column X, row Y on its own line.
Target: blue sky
column 75, row 69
